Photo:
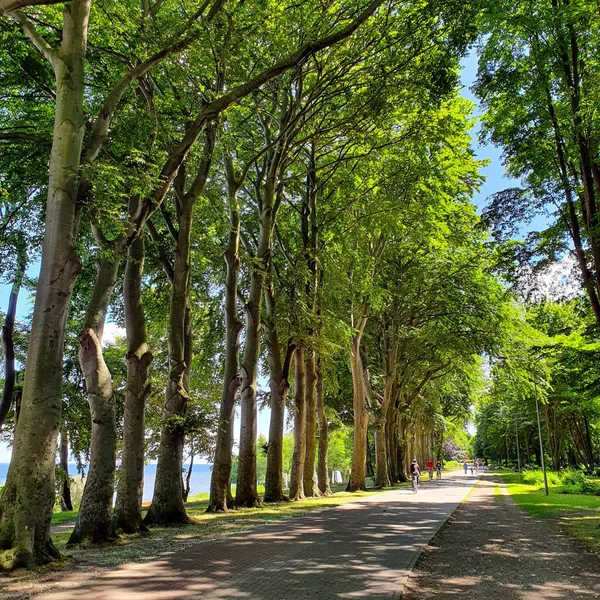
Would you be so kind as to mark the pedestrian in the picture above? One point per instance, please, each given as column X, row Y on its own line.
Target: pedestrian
column 430, row 469
column 415, row 473
column 438, row 469
column 465, row 466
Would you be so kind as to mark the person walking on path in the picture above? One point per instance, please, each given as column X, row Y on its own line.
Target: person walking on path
column 438, row 469
column 415, row 473
column 466, row 466
column 430, row 469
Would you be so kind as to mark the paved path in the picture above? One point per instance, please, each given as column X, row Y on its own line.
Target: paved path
column 492, row 550
column 364, row 549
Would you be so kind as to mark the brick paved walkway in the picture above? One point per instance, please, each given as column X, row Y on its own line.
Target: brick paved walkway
column 358, row 550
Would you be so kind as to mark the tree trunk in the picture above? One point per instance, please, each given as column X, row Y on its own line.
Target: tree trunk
column 310, row 451
column 220, row 481
column 188, row 477
column 7, row 339
column 246, row 494
column 588, row 443
column 65, row 487
column 28, row 495
column 322, row 470
column 361, row 416
column 279, row 386
column 167, row 503
column 128, row 509
column 390, row 432
column 297, row 475
column 382, row 477
column 94, row 517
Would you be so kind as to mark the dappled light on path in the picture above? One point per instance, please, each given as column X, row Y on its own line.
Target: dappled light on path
column 358, row 550
column 492, row 550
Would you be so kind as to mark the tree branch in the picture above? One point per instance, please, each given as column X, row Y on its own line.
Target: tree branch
column 99, row 133
column 7, row 6
column 33, row 34
column 20, row 136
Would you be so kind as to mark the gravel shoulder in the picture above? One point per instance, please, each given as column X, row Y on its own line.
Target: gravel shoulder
column 490, row 549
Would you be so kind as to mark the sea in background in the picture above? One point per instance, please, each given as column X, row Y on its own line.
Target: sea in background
column 200, row 481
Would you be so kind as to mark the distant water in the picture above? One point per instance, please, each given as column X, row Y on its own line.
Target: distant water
column 200, row 481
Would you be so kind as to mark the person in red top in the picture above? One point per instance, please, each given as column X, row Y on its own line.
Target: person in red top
column 430, row 469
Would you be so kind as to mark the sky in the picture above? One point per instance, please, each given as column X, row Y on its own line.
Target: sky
column 495, row 181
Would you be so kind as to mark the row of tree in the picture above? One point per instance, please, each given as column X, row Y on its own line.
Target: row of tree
column 536, row 81
column 281, row 186
column 559, row 370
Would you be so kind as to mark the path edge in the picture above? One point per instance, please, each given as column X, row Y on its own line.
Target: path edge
column 402, row 583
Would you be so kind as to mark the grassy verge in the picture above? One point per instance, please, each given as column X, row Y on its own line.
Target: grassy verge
column 579, row 513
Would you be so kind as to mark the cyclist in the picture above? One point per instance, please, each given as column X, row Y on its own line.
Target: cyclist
column 438, row 470
column 415, row 473
column 430, row 469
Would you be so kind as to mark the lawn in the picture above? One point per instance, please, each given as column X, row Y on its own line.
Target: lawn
column 578, row 513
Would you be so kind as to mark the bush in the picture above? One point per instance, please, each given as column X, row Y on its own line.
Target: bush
column 536, row 477
column 589, row 487
column 573, row 478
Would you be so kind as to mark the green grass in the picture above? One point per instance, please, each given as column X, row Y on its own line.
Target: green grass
column 63, row 517
column 579, row 513
column 498, row 496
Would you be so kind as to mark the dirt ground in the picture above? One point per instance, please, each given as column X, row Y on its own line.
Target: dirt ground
column 492, row 550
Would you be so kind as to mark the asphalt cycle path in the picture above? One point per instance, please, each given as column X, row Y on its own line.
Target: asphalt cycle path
column 364, row 549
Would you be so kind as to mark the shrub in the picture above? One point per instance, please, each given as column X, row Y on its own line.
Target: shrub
column 536, row 477
column 589, row 487
column 573, row 478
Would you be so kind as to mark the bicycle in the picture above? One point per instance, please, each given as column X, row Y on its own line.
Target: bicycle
column 415, row 484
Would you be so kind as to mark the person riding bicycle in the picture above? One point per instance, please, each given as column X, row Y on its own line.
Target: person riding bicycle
column 438, row 469
column 430, row 469
column 415, row 471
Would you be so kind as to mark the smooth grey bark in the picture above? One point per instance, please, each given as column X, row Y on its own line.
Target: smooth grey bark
column 94, row 518
column 322, row 462
column 310, row 450
column 279, row 386
column 297, row 475
column 7, row 338
column 220, row 481
column 29, row 492
column 128, row 508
